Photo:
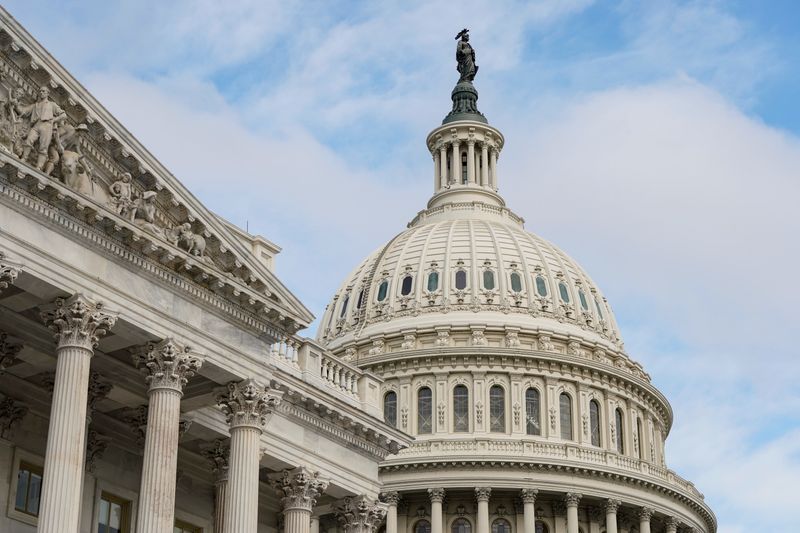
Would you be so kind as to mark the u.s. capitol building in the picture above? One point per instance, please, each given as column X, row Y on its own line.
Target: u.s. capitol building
column 467, row 377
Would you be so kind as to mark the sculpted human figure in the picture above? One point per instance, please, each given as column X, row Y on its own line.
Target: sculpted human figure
column 183, row 236
column 43, row 115
column 11, row 121
column 145, row 214
column 465, row 56
column 122, row 196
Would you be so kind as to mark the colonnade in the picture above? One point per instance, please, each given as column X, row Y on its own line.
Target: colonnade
column 481, row 163
column 567, row 505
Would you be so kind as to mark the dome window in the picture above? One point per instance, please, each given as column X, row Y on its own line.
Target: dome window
column 460, row 408
column 360, row 302
column 582, row 298
column 620, row 428
column 390, row 408
column 424, row 410
column 461, row 525
column 423, row 526
column 599, row 309
column 532, row 426
column 541, row 286
column 383, row 290
column 408, row 283
column 488, row 280
column 516, row 282
column 565, row 415
column 563, row 292
column 433, row 282
column 501, row 525
column 594, row 422
column 497, row 409
column 461, row 280
column 344, row 306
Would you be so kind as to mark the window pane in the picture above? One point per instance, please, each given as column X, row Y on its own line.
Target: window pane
column 620, row 435
column 497, row 408
column 34, row 492
column 103, row 519
column 541, row 527
column 460, row 408
column 532, row 412
column 390, row 408
column 115, row 517
column 461, row 526
column 344, row 306
column 383, row 288
column 599, row 310
column 516, row 282
column 424, row 410
column 565, row 403
column 501, row 526
column 541, row 286
column 488, row 280
column 22, row 489
column 639, row 437
column 360, row 301
column 423, row 526
column 405, row 289
column 582, row 297
column 562, row 290
column 461, row 280
column 433, row 281
column 594, row 422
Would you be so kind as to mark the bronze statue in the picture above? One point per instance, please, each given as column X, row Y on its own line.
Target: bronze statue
column 465, row 55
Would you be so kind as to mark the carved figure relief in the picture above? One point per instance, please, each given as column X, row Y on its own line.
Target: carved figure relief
column 122, row 197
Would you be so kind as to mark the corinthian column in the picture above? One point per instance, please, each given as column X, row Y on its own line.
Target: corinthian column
column 78, row 324
column 437, row 497
column 300, row 487
column 672, row 525
column 482, row 494
column 612, row 506
column 528, row 497
column 571, row 499
column 360, row 514
column 168, row 366
column 391, row 499
column 645, row 514
column 218, row 454
column 246, row 405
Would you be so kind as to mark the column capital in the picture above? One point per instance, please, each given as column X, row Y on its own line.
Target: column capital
column 646, row 513
column 360, row 514
column 528, row 495
column 482, row 494
column 166, row 364
column 612, row 506
column 672, row 523
column 11, row 412
column 218, row 454
column 436, row 495
column 392, row 497
column 300, row 487
column 8, row 273
column 77, row 321
column 248, row 403
column 8, row 352
column 572, row 499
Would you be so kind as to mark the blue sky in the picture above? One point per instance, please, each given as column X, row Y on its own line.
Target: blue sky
column 657, row 142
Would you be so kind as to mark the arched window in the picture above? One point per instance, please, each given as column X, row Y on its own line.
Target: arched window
column 594, row 422
column 460, row 408
column 360, row 301
column 541, row 286
column 565, row 411
column 541, row 527
column 562, row 290
column 405, row 287
column 488, row 280
column 497, row 409
column 383, row 290
column 424, row 410
column 390, row 408
column 639, row 437
column 582, row 298
column 599, row 309
column 461, row 525
column 344, row 305
column 532, row 412
column 422, row 526
column 516, row 282
column 464, row 168
column 501, row 525
column 433, row 281
column 461, row 280
column 619, row 431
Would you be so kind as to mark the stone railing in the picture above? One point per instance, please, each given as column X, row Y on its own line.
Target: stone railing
column 311, row 362
column 489, row 448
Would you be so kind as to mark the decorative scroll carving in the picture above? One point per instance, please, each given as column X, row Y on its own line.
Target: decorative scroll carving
column 512, row 339
column 517, row 408
column 96, row 445
column 391, row 498
column 77, row 321
column 8, row 352
column 409, row 341
column 377, row 347
column 612, row 506
column 572, row 499
column 218, row 454
column 545, row 345
column 479, row 412
column 248, row 403
column 528, row 495
column 360, row 515
column 11, row 413
column 8, row 273
column 99, row 389
column 300, row 487
column 478, row 338
column 482, row 494
column 436, row 495
column 442, row 411
column 136, row 418
column 645, row 514
column 167, row 364
column 443, row 338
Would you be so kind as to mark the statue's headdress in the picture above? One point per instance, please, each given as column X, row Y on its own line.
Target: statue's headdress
column 462, row 33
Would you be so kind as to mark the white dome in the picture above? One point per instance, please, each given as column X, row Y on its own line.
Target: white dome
column 511, row 278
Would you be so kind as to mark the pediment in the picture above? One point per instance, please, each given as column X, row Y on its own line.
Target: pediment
column 93, row 168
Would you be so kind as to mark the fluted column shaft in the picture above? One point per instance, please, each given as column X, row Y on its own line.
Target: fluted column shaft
column 455, row 164
column 78, row 324
column 483, row 494
column 471, row 177
column 220, row 488
column 645, row 513
column 493, row 170
column 241, row 498
column 443, row 166
column 436, row 495
column 484, row 164
column 66, row 441
column 611, row 515
column 528, row 497
column 672, row 525
column 572, row 499
column 391, row 499
column 437, row 180
column 297, row 520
